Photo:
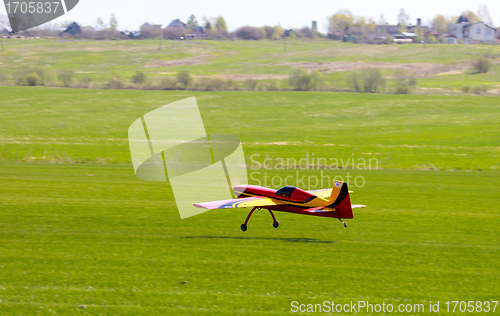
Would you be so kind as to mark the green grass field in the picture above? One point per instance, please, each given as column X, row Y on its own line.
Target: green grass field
column 243, row 59
column 81, row 235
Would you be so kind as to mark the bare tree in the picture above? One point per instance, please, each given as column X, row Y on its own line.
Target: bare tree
column 100, row 25
column 484, row 14
column 113, row 23
column 473, row 18
column 381, row 19
column 440, row 24
column 403, row 20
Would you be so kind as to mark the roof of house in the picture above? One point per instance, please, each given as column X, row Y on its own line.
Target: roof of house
column 409, row 34
column 177, row 23
column 463, row 19
column 469, row 25
column 147, row 24
column 289, row 32
column 430, row 32
column 73, row 29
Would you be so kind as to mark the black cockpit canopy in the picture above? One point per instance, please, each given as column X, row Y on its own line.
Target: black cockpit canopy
column 286, row 192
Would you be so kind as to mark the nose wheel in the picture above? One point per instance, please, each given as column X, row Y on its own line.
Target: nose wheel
column 244, row 226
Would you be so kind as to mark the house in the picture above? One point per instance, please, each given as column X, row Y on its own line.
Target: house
column 467, row 32
column 148, row 30
column 288, row 33
column 178, row 24
column 387, row 29
column 429, row 33
column 88, row 28
column 394, row 28
column 134, row 35
column 448, row 39
column 73, row 29
column 413, row 28
column 150, row 26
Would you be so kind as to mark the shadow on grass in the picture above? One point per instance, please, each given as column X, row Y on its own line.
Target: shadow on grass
column 306, row 240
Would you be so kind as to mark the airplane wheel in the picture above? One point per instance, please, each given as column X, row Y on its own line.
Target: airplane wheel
column 244, row 227
column 276, row 224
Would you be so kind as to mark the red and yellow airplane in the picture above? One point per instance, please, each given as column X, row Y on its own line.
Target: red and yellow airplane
column 334, row 202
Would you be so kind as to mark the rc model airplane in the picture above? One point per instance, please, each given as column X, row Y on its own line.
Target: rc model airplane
column 334, row 202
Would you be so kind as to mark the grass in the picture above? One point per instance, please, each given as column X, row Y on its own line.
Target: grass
column 80, row 234
column 98, row 59
column 401, row 131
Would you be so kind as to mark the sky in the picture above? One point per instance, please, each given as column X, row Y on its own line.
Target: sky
column 287, row 13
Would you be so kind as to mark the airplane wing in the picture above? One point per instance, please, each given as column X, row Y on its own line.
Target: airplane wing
column 237, row 203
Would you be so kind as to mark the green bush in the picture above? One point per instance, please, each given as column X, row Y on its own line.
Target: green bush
column 33, row 79
column 355, row 82
column 480, row 89
column 251, row 84
column 373, row 81
column 405, row 84
column 66, row 75
column 233, row 85
column 273, row 85
column 21, row 77
column 115, row 82
column 482, row 65
column 368, row 80
column 402, row 87
column 302, row 81
column 184, row 79
column 84, row 81
column 317, row 81
column 139, row 78
column 215, row 83
column 167, row 83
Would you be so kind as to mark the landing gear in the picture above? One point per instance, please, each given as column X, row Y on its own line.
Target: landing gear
column 345, row 224
column 244, row 227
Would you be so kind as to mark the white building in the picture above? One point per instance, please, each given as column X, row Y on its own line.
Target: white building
column 464, row 31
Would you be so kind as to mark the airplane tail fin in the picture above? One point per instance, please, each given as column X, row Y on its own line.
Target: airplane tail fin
column 337, row 188
column 340, row 200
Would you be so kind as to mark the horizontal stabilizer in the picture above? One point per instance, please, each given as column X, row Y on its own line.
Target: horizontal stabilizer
column 357, row 206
